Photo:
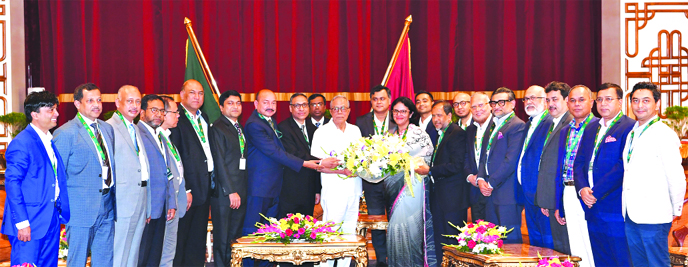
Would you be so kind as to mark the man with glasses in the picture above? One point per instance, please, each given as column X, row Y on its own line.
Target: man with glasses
column 163, row 198
column 462, row 108
column 340, row 197
column 537, row 128
column 569, row 210
column 424, row 102
column 174, row 162
column 317, row 110
column 598, row 175
column 545, row 199
column 497, row 168
column 266, row 161
column 477, row 136
column 191, row 138
column 654, row 183
column 300, row 190
column 377, row 122
column 228, row 202
column 132, row 169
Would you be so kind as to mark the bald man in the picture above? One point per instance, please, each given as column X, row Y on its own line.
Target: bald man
column 193, row 144
column 266, row 160
column 537, row 130
column 462, row 108
column 133, row 172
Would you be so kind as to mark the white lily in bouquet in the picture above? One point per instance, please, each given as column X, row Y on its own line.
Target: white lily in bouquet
column 378, row 157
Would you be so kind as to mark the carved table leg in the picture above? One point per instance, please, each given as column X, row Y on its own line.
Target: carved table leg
column 236, row 258
column 361, row 257
column 445, row 261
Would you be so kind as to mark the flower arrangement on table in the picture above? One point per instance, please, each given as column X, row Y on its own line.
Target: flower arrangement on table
column 64, row 248
column 26, row 264
column 377, row 157
column 295, row 227
column 481, row 237
column 553, row 262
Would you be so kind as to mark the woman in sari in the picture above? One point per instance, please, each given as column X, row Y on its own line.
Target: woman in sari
column 409, row 233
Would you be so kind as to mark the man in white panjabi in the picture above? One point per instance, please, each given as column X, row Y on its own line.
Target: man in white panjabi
column 339, row 197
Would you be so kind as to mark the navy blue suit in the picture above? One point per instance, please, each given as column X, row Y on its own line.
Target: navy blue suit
column 432, row 132
column 30, row 187
column 605, row 222
column 501, row 207
column 265, row 165
column 539, row 231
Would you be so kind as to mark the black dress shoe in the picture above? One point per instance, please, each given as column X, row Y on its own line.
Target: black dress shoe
column 381, row 264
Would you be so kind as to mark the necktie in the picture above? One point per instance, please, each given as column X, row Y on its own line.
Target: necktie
column 272, row 125
column 106, row 162
column 317, row 124
column 303, row 130
column 241, row 135
column 132, row 133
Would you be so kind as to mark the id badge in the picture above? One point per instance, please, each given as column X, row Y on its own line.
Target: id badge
column 242, row 164
column 104, row 173
column 169, row 174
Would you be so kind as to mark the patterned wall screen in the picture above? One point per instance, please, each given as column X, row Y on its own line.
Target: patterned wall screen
column 655, row 48
column 5, row 82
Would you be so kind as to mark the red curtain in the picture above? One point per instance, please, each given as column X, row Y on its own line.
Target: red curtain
column 312, row 46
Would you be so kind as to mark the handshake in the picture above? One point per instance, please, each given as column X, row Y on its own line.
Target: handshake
column 326, row 165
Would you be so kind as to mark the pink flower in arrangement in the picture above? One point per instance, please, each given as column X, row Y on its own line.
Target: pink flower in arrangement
column 471, row 244
column 491, row 225
column 479, row 221
column 500, row 243
column 297, row 236
column 282, row 235
column 296, row 220
column 313, row 235
column 543, row 262
column 469, row 225
column 567, row 264
column 288, row 232
column 556, row 265
column 481, row 229
column 301, row 231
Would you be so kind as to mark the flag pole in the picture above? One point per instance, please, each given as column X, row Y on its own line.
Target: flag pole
column 204, row 64
column 407, row 24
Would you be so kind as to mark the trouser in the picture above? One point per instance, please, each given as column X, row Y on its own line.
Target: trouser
column 508, row 216
column 227, row 225
column 152, row 242
column 43, row 251
column 539, row 231
column 128, row 231
column 560, row 236
column 169, row 246
column 577, row 228
column 342, row 210
column 254, row 207
column 191, row 236
column 97, row 239
column 648, row 243
column 376, row 202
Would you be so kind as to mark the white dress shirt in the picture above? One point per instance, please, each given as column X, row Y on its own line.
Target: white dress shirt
column 604, row 126
column 145, row 176
column 479, row 134
column 321, row 121
column 46, row 139
column 302, row 128
column 424, row 124
column 107, row 150
column 497, row 121
column 468, row 121
column 379, row 123
column 534, row 123
column 328, row 138
column 206, row 144
column 152, row 131
column 654, row 184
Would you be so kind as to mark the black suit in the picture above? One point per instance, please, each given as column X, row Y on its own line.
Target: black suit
column 477, row 199
column 227, row 222
column 432, row 132
column 374, row 193
column 193, row 226
column 449, row 198
column 298, row 188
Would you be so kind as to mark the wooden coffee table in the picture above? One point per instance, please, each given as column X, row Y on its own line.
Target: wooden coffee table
column 298, row 253
column 514, row 255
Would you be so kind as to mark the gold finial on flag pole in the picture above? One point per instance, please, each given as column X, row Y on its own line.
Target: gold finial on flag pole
column 407, row 24
column 204, row 64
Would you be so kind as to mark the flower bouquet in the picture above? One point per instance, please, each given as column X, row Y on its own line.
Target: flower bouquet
column 480, row 237
column 553, row 262
column 26, row 264
column 62, row 252
column 378, row 157
column 295, row 227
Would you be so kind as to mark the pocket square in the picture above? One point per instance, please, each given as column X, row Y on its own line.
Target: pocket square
column 500, row 135
column 609, row 139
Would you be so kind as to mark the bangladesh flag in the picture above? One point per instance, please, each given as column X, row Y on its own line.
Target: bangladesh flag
column 194, row 70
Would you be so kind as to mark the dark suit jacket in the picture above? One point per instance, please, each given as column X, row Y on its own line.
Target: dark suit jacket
column 162, row 194
column 432, row 132
column 299, row 187
column 607, row 170
column 365, row 123
column 227, row 154
column 545, row 196
column 503, row 160
column 30, row 186
column 266, row 158
column 447, row 169
column 530, row 160
column 191, row 152
column 470, row 167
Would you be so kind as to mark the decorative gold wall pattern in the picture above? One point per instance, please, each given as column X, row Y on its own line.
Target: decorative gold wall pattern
column 4, row 62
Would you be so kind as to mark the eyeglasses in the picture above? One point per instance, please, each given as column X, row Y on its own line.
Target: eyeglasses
column 339, row 109
column 317, row 105
column 477, row 106
column 459, row 104
column 156, row 110
column 526, row 99
column 401, row 112
column 304, row 105
column 500, row 102
column 602, row 100
column 169, row 111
